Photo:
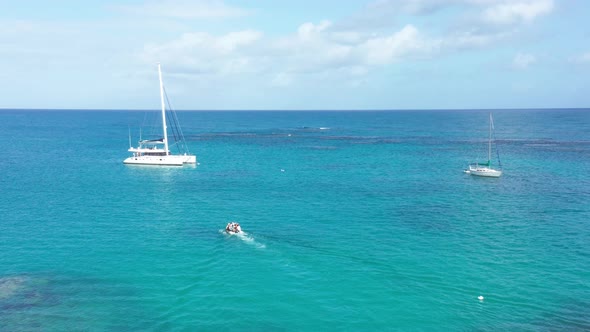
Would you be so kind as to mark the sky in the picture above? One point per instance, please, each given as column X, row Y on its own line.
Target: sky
column 295, row 55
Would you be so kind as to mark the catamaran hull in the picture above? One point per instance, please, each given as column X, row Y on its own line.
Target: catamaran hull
column 155, row 152
column 170, row 160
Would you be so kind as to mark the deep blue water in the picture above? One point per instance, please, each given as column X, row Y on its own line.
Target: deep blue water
column 356, row 221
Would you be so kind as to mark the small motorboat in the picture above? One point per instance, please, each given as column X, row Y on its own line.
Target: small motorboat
column 233, row 228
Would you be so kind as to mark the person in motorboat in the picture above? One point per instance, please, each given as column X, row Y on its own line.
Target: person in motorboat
column 233, row 227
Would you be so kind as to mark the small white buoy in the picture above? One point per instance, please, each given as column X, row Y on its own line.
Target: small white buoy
column 480, row 298
column 282, row 170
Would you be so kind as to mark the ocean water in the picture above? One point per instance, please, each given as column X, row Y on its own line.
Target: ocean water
column 358, row 221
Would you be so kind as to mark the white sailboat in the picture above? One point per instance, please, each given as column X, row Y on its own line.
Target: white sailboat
column 156, row 151
column 485, row 169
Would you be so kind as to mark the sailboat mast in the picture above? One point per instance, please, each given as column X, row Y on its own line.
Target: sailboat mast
column 163, row 110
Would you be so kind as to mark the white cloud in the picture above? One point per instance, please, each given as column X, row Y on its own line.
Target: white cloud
column 510, row 12
column 312, row 49
column 453, row 26
column 203, row 53
column 425, row 7
column 357, row 70
column 14, row 27
column 497, row 12
column 282, row 79
column 581, row 58
column 384, row 50
column 416, row 7
column 232, row 41
column 523, row 60
column 347, row 50
column 184, row 9
column 471, row 40
column 308, row 31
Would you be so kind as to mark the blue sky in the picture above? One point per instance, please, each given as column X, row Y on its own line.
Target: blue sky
column 224, row 54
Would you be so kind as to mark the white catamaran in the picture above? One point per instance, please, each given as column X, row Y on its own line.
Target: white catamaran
column 156, row 151
column 485, row 169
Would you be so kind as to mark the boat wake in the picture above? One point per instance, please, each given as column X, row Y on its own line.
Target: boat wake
column 247, row 238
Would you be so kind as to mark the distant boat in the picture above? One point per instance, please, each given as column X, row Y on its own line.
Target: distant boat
column 485, row 169
column 156, row 151
column 233, row 228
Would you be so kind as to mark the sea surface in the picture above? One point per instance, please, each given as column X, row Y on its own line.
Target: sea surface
column 355, row 221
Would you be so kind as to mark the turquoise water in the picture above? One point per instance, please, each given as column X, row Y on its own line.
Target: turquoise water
column 356, row 221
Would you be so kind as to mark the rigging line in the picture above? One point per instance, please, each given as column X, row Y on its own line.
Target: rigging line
column 180, row 134
column 176, row 142
column 178, row 128
column 171, row 116
column 170, row 119
column 173, row 113
column 174, row 125
column 496, row 145
column 150, row 122
column 145, row 123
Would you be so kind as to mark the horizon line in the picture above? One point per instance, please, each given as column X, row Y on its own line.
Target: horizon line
column 299, row 110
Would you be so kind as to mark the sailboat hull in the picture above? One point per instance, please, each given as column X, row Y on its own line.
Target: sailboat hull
column 170, row 160
column 485, row 172
column 477, row 169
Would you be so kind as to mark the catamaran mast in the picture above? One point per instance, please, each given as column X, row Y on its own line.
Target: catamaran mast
column 163, row 110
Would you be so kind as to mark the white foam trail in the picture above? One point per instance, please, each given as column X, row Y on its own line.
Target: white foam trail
column 250, row 240
column 246, row 238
